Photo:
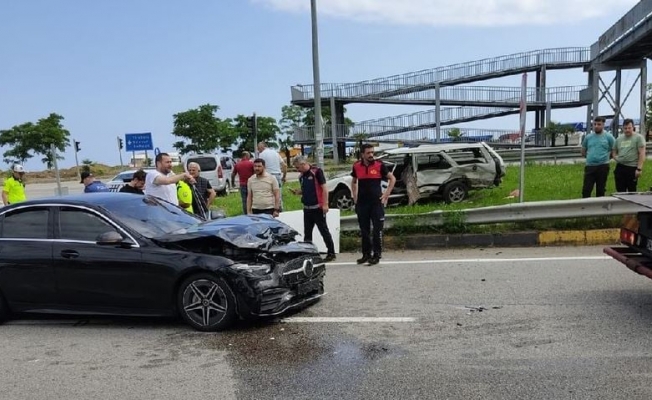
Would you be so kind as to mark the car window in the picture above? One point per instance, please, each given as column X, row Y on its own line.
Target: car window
column 226, row 163
column 431, row 161
column 26, row 224
column 78, row 224
column 205, row 163
column 126, row 177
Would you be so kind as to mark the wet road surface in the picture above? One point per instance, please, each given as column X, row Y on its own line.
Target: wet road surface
column 559, row 323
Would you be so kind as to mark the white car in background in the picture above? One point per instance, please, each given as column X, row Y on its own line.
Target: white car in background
column 445, row 171
column 124, row 177
column 217, row 168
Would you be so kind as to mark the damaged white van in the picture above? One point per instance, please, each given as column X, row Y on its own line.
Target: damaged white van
column 446, row 171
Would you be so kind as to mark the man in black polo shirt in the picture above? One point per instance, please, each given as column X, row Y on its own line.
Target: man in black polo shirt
column 370, row 201
column 314, row 196
column 136, row 184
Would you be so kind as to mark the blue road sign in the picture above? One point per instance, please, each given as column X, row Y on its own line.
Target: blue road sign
column 157, row 151
column 138, row 141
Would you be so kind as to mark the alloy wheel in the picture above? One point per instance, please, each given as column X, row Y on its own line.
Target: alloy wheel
column 204, row 303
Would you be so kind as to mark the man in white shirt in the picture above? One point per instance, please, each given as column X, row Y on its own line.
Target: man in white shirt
column 274, row 165
column 161, row 184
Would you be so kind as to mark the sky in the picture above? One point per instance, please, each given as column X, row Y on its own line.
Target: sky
column 116, row 67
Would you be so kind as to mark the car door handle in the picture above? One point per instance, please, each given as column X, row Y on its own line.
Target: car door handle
column 69, row 254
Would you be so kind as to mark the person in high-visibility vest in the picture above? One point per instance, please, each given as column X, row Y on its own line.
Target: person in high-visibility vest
column 13, row 190
column 184, row 195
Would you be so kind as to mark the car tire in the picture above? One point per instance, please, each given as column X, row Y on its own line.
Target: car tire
column 196, row 301
column 227, row 189
column 342, row 199
column 455, row 192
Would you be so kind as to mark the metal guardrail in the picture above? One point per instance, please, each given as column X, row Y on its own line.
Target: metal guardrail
column 548, row 153
column 306, row 134
column 518, row 212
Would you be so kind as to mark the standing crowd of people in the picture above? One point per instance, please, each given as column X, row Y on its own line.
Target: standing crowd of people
column 599, row 147
column 261, row 180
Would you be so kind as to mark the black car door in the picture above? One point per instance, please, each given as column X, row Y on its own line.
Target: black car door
column 94, row 277
column 26, row 269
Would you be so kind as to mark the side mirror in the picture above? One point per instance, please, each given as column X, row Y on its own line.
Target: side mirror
column 113, row 238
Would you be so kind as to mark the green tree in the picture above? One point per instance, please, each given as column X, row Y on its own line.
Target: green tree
column 29, row 139
column 87, row 161
column 554, row 129
column 455, row 134
column 291, row 117
column 201, row 131
column 268, row 132
column 50, row 132
column 285, row 145
column 308, row 118
column 20, row 138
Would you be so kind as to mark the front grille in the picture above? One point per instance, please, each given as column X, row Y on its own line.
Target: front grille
column 294, row 271
column 115, row 187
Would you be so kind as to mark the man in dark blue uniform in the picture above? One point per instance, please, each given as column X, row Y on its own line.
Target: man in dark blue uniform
column 91, row 185
column 370, row 202
column 314, row 196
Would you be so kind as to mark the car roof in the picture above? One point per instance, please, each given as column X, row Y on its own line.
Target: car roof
column 430, row 148
column 98, row 199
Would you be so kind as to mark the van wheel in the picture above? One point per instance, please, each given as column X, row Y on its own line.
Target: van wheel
column 342, row 199
column 455, row 192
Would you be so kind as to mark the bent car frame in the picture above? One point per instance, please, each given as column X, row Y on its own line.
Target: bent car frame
column 127, row 254
column 446, row 171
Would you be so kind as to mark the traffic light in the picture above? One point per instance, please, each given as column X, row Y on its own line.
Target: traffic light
column 251, row 124
column 77, row 148
column 120, row 146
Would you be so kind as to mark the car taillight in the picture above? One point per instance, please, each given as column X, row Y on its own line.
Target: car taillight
column 627, row 237
column 219, row 172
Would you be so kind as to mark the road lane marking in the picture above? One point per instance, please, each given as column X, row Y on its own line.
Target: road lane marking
column 479, row 260
column 347, row 319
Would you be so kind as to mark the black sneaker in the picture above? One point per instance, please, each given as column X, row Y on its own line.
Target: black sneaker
column 363, row 260
column 329, row 258
column 374, row 260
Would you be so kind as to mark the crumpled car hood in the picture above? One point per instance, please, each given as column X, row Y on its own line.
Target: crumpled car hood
column 261, row 232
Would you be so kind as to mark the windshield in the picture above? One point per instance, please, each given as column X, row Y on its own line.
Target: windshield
column 124, row 176
column 151, row 217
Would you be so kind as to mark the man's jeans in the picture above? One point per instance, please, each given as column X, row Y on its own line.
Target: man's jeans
column 243, row 195
column 279, row 179
column 595, row 175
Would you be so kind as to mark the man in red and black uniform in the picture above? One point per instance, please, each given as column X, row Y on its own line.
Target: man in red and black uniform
column 370, row 201
column 314, row 196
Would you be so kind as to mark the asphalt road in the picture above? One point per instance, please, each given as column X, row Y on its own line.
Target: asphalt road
column 541, row 323
column 38, row 190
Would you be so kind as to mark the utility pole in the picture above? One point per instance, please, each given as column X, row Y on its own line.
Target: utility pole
column 255, row 135
column 53, row 152
column 319, row 134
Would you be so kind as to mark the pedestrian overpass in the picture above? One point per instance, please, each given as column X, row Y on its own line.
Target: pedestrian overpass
column 626, row 45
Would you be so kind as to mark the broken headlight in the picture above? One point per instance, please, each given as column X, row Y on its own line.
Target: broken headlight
column 253, row 268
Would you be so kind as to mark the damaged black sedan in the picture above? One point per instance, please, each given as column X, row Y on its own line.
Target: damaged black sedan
column 125, row 254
